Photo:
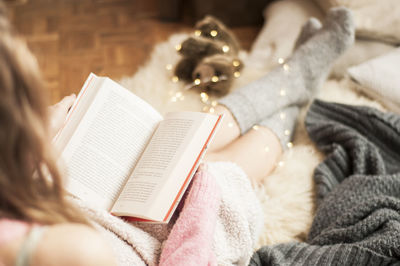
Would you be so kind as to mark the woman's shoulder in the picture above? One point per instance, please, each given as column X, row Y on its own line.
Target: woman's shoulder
column 61, row 244
column 72, row 244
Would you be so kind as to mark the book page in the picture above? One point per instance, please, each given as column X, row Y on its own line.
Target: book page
column 107, row 144
column 164, row 167
column 78, row 110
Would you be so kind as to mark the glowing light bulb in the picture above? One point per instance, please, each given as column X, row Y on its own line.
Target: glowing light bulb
column 197, row 32
column 178, row 47
column 175, row 79
column 236, row 63
column 225, row 48
column 197, row 81
column 214, row 78
column 213, row 33
column 286, row 67
column 236, row 74
column 204, row 97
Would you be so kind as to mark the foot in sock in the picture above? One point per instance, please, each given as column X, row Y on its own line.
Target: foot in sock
column 296, row 81
column 309, row 29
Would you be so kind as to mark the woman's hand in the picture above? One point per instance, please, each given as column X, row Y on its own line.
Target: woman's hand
column 58, row 113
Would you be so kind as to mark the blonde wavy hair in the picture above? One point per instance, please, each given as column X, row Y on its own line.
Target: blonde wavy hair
column 30, row 182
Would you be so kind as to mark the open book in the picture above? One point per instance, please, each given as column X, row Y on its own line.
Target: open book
column 123, row 156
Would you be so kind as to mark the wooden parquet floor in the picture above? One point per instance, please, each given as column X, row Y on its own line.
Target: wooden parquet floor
column 72, row 38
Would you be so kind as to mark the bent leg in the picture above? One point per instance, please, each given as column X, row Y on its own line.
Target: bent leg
column 256, row 152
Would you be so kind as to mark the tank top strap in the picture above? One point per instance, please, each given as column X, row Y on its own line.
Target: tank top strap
column 29, row 245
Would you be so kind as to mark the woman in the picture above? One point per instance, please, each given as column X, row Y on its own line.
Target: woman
column 44, row 228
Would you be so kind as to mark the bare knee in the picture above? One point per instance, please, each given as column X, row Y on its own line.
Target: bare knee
column 257, row 153
column 228, row 130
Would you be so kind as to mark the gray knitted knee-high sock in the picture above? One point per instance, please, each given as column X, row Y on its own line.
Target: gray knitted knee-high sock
column 296, row 81
column 283, row 122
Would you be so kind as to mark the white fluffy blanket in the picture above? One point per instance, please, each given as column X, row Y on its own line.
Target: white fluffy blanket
column 288, row 194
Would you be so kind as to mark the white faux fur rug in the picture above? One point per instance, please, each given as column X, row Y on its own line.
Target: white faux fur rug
column 288, row 194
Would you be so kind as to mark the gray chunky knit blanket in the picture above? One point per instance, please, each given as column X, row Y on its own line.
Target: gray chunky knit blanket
column 357, row 221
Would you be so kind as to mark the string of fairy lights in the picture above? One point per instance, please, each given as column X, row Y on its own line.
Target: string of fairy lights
column 209, row 103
